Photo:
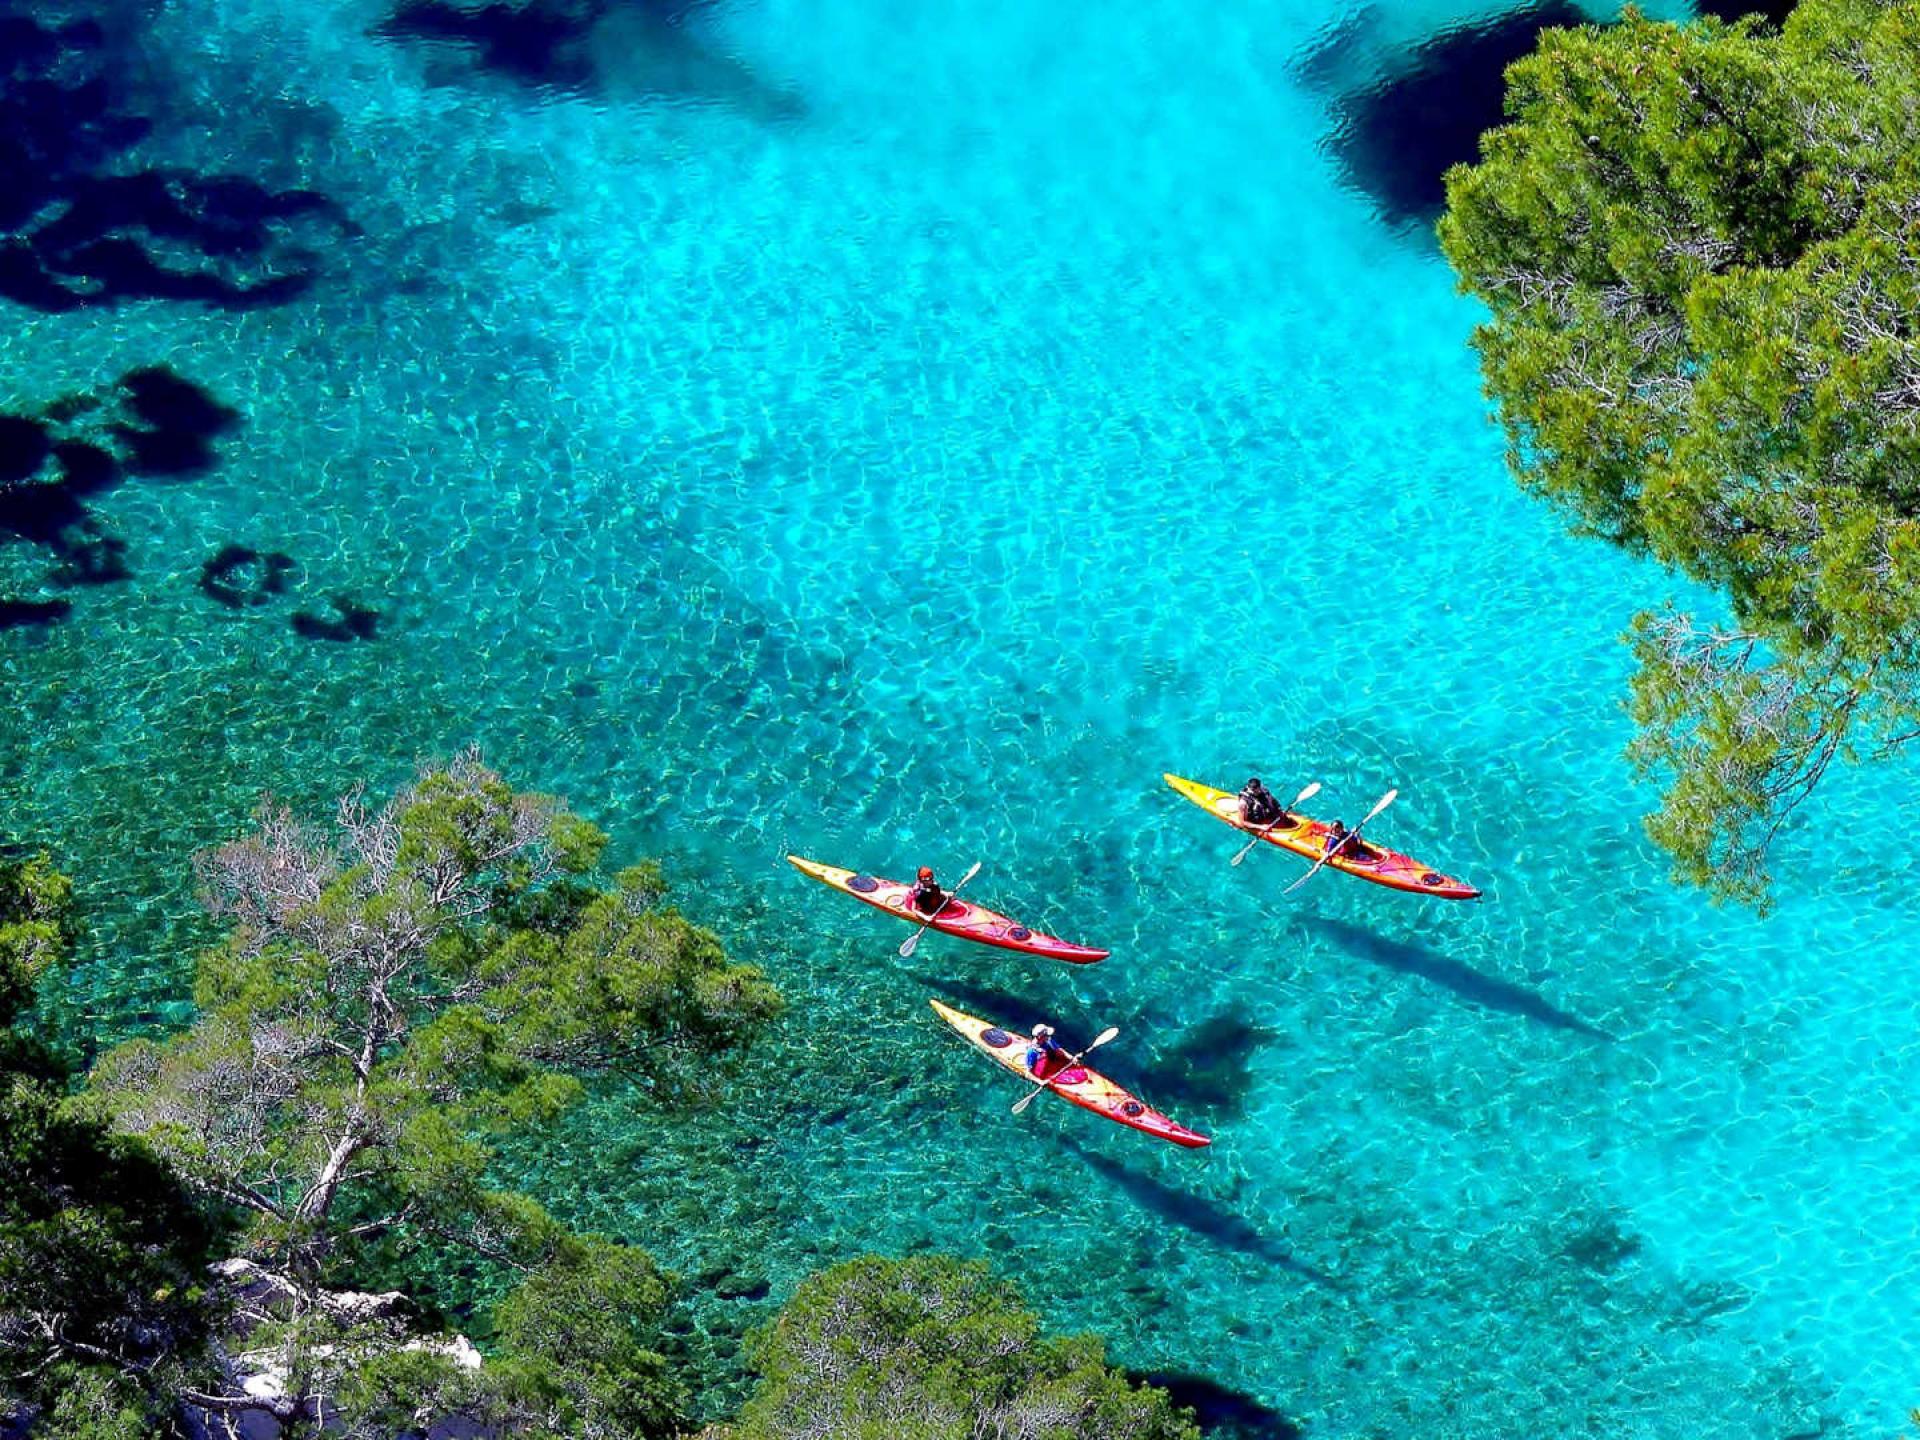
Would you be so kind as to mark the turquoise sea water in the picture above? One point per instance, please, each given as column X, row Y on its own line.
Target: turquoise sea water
column 899, row 433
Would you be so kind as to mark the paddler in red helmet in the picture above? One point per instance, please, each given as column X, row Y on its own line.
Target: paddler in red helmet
column 926, row 896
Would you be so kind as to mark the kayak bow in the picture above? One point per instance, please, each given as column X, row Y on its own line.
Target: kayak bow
column 1086, row 1088
column 961, row 917
column 1308, row 839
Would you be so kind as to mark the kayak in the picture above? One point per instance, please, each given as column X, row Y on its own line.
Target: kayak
column 1308, row 839
column 961, row 917
column 1086, row 1088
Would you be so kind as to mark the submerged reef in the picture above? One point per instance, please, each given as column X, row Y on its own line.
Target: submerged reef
column 636, row 50
column 81, row 227
column 53, row 463
column 240, row 577
column 352, row 621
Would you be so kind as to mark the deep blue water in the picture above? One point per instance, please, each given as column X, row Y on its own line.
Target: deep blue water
column 898, row 434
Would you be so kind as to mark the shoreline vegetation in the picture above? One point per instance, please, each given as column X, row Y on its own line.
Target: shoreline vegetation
column 1700, row 245
column 191, row 1239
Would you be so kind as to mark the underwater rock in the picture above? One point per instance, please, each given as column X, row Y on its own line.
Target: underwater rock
column 179, row 423
column 75, row 232
column 96, row 560
column 86, row 469
column 355, row 622
column 1602, row 1246
column 735, row 1286
column 533, row 43
column 165, row 401
column 239, row 576
column 69, row 408
column 25, row 445
column 17, row 613
column 639, row 50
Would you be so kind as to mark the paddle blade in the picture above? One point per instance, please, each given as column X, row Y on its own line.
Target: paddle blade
column 1385, row 800
column 911, row 943
column 1110, row 1033
column 1306, row 794
column 1027, row 1099
column 1304, row 878
column 968, row 876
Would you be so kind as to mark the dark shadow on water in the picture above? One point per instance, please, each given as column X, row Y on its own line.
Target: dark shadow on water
column 1774, row 12
column 1487, row 991
column 1210, row 1067
column 1397, row 133
column 1221, row 1412
column 614, row 50
column 1199, row 1216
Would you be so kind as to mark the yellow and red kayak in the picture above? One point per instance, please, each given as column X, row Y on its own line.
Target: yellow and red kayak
column 1086, row 1088
column 961, row 917
column 1308, row 839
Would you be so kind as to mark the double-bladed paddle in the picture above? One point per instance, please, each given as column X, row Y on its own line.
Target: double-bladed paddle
column 1300, row 799
column 907, row 945
column 1072, row 1060
column 1341, row 844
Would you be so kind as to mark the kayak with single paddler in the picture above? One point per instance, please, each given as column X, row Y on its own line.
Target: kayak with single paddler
column 959, row 917
column 1086, row 1088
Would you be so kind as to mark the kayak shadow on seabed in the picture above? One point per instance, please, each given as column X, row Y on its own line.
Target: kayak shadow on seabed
column 1487, row 991
column 1208, row 1068
column 1208, row 1219
column 1006, row 1007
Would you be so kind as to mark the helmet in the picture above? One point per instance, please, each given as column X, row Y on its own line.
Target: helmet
column 1040, row 1031
column 926, row 872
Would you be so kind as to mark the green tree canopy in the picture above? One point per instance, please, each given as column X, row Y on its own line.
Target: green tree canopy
column 396, row 992
column 933, row 1348
column 1701, row 248
column 103, row 1310
column 36, row 931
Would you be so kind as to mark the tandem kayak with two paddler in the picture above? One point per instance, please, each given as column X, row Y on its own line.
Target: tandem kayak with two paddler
column 1308, row 839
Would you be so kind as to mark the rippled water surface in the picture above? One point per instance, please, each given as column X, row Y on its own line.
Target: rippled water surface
column 898, row 433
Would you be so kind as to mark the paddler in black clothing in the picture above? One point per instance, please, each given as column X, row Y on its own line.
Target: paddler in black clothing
column 926, row 896
column 1257, row 805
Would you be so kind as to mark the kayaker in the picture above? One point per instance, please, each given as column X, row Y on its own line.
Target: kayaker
column 1045, row 1058
column 1257, row 805
column 1342, row 841
column 926, row 896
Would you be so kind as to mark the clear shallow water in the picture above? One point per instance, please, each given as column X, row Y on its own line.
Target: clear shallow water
column 903, row 436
